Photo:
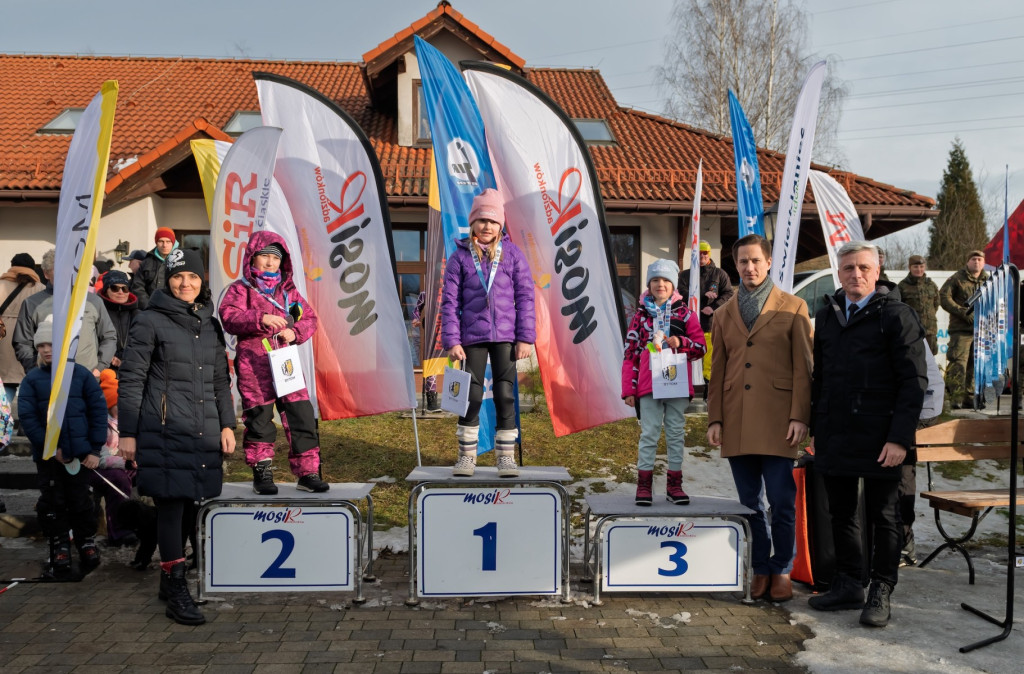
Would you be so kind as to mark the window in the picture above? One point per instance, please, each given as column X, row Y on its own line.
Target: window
column 65, row 122
column 625, row 242
column 595, row 131
column 409, row 260
column 421, row 134
column 242, row 121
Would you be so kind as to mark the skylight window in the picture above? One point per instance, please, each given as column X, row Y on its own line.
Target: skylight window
column 242, row 121
column 595, row 131
column 65, row 122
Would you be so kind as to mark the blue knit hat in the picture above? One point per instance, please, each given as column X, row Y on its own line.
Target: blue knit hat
column 666, row 269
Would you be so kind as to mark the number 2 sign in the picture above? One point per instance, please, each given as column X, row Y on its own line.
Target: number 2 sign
column 279, row 549
column 489, row 541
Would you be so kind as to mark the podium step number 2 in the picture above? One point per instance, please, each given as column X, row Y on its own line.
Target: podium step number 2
column 489, row 541
column 278, row 549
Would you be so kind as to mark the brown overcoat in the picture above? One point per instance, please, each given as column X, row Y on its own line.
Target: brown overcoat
column 761, row 379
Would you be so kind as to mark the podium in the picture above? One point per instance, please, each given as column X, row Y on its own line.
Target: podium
column 488, row 536
column 700, row 547
column 294, row 541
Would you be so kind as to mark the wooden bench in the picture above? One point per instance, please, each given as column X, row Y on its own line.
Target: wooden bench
column 965, row 440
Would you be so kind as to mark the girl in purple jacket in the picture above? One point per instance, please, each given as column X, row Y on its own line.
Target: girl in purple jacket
column 487, row 310
column 662, row 321
column 265, row 305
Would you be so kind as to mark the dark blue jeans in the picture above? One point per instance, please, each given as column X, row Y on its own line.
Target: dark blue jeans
column 756, row 476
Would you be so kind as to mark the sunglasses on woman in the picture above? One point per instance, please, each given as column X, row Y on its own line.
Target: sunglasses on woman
column 118, row 289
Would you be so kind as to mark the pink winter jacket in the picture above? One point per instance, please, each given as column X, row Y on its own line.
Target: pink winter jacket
column 636, row 360
column 241, row 312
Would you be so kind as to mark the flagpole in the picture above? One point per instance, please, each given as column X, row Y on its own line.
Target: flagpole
column 1006, row 217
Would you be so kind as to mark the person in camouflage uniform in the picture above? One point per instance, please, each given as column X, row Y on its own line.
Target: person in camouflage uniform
column 953, row 297
column 921, row 293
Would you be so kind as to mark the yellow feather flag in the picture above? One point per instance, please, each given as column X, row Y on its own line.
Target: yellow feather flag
column 81, row 200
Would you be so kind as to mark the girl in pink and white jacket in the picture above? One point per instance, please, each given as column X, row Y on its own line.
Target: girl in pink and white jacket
column 265, row 305
column 662, row 321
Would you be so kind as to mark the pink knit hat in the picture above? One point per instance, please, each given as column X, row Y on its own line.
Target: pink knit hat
column 488, row 205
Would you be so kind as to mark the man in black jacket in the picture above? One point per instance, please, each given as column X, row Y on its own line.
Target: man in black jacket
column 867, row 392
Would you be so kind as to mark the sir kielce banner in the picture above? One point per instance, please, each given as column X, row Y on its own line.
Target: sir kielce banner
column 243, row 197
column 552, row 198
column 794, row 178
column 839, row 220
column 333, row 185
column 81, row 200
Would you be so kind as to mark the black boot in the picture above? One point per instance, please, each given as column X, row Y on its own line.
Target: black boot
column 313, row 483
column 433, row 404
column 180, row 607
column 263, row 478
column 88, row 555
column 165, row 586
column 845, row 594
column 59, row 566
column 876, row 612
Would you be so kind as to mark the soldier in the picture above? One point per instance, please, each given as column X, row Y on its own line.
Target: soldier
column 953, row 296
column 922, row 295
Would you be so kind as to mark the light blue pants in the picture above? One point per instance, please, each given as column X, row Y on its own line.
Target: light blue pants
column 669, row 412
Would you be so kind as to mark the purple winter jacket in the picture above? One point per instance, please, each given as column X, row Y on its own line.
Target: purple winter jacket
column 241, row 313
column 468, row 316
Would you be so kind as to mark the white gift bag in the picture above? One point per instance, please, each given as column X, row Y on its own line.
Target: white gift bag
column 669, row 375
column 455, row 397
column 287, row 370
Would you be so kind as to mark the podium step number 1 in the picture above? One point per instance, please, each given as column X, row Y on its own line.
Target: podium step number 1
column 489, row 541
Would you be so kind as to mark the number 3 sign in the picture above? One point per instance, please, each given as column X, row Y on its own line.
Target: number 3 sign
column 279, row 549
column 489, row 541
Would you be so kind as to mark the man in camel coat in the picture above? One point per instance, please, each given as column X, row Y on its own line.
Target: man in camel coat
column 759, row 406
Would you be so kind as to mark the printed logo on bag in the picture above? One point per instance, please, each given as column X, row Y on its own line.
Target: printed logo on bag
column 286, row 516
column 453, row 388
column 497, row 497
column 463, row 165
column 668, row 373
column 287, row 368
column 681, row 530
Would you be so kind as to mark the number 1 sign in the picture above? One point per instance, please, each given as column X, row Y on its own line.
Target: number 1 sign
column 489, row 541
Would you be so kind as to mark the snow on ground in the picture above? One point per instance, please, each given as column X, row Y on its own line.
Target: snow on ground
column 928, row 625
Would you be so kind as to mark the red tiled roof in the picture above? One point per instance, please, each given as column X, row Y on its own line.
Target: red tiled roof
column 163, row 101
column 437, row 15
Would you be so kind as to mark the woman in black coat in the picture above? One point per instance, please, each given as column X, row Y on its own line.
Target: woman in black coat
column 176, row 415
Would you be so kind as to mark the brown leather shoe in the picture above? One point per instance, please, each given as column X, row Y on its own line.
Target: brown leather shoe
column 782, row 587
column 759, row 586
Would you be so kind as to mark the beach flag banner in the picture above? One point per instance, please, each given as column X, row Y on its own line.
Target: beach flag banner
column 333, row 186
column 839, row 220
column 433, row 283
column 693, row 292
column 794, row 178
column 463, row 170
column 748, row 175
column 238, row 177
column 1008, row 243
column 78, row 215
column 555, row 215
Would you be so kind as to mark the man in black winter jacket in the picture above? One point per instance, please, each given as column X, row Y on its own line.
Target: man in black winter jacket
column 867, row 391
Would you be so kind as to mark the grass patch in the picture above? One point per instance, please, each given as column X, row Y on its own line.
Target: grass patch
column 954, row 470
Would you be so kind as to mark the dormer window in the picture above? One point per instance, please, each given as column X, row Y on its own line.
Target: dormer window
column 242, row 121
column 64, row 123
column 595, row 131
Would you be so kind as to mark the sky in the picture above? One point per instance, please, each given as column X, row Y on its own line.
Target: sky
column 920, row 72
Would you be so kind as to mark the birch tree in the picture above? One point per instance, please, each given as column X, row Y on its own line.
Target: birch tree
column 757, row 48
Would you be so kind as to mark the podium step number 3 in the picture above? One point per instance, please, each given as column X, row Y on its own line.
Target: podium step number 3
column 489, row 541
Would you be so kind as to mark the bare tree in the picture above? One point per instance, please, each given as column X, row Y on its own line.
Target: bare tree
column 757, row 48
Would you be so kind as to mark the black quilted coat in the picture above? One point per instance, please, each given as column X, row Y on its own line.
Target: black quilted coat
column 174, row 398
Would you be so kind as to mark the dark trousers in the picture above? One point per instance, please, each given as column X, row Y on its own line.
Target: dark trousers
column 881, row 500
column 755, row 477
column 65, row 501
column 503, row 371
column 175, row 523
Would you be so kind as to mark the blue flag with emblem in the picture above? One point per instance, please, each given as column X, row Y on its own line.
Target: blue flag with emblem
column 748, row 177
column 463, row 171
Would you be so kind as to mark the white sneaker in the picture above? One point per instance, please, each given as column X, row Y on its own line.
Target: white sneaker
column 507, row 466
column 465, row 466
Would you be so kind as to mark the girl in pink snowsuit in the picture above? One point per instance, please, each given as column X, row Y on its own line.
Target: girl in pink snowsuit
column 264, row 305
